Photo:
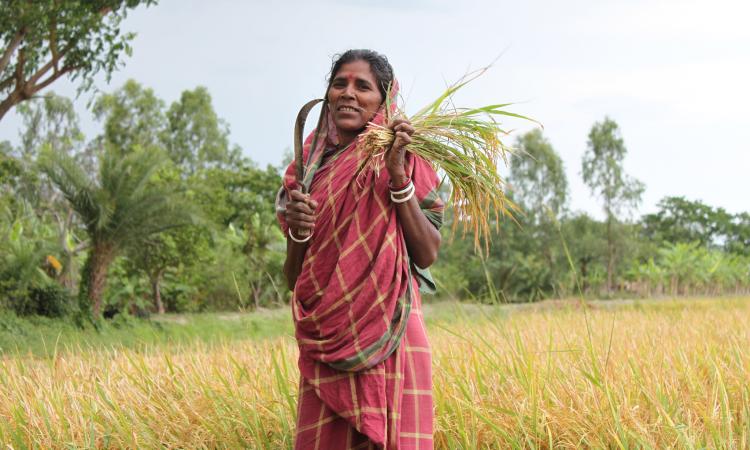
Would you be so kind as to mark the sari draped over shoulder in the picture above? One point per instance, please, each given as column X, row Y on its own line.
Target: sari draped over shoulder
column 356, row 302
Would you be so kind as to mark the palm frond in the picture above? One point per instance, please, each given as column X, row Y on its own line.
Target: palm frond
column 125, row 203
column 76, row 186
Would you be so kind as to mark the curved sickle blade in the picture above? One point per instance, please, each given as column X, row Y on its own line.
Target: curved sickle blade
column 299, row 128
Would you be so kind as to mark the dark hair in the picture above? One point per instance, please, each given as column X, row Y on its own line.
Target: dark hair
column 379, row 65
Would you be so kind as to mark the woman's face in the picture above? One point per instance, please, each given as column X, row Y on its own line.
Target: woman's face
column 353, row 97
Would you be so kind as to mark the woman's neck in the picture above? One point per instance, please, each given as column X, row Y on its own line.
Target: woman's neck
column 347, row 137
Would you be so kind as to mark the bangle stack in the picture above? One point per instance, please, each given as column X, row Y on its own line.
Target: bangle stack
column 407, row 190
column 300, row 241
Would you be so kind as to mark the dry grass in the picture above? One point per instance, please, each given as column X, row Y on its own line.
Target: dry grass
column 649, row 375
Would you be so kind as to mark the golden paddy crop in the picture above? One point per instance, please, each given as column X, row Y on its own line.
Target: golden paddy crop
column 657, row 374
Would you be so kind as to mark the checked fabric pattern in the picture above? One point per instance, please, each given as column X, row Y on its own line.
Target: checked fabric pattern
column 363, row 351
column 409, row 415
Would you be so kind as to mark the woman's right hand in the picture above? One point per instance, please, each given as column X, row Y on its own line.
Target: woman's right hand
column 300, row 213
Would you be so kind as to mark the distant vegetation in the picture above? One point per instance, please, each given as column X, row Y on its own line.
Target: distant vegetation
column 160, row 212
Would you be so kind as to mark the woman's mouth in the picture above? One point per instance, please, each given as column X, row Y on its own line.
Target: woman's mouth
column 347, row 109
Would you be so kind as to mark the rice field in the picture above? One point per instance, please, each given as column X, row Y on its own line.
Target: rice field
column 644, row 374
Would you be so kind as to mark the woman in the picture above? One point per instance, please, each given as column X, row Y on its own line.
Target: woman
column 358, row 248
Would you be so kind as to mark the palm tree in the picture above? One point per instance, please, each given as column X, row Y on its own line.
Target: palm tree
column 120, row 207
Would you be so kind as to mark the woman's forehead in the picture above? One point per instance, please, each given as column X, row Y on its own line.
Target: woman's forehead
column 356, row 70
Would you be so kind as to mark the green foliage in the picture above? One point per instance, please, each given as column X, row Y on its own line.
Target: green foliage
column 195, row 137
column 515, row 269
column 51, row 122
column 44, row 40
column 525, row 261
column 126, row 207
column 738, row 239
column 49, row 125
column 49, row 300
column 11, row 171
column 691, row 269
column 123, row 204
column 24, row 246
column 537, row 178
column 133, row 117
column 240, row 201
column 681, row 220
column 119, row 209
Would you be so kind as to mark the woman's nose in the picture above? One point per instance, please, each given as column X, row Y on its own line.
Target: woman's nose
column 348, row 91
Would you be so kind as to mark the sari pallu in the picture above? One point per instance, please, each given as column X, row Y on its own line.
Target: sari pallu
column 353, row 298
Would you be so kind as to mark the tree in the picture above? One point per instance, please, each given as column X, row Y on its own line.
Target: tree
column 53, row 123
column 44, row 40
column 190, row 131
column 738, row 240
column 10, row 173
column 682, row 220
column 603, row 173
column 132, row 116
column 537, row 177
column 120, row 208
column 583, row 236
column 158, row 253
column 539, row 186
column 196, row 137
column 154, row 256
column 242, row 200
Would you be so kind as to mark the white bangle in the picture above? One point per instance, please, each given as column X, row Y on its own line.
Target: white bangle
column 404, row 190
column 412, row 189
column 299, row 240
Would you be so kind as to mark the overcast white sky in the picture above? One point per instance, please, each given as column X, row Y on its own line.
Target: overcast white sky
column 673, row 74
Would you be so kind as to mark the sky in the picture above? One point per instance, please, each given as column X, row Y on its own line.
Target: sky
column 673, row 74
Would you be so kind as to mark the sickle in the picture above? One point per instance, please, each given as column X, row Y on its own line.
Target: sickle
column 299, row 128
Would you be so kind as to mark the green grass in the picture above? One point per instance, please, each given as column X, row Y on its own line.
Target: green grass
column 41, row 336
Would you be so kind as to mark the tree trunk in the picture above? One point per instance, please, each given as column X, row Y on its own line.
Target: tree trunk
column 584, row 280
column 254, row 294
column 610, row 254
column 100, row 257
column 69, row 273
column 8, row 103
column 156, row 291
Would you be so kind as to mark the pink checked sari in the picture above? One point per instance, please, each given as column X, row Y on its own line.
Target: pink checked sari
column 364, row 356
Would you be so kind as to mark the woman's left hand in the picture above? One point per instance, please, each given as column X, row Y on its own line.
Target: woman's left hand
column 395, row 157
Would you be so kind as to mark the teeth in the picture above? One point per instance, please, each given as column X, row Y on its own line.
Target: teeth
column 347, row 108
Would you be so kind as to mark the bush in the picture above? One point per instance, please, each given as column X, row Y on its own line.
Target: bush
column 50, row 300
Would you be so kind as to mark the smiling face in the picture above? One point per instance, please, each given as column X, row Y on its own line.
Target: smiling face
column 353, row 98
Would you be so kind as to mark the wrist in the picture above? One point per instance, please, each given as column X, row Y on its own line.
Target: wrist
column 300, row 236
column 399, row 178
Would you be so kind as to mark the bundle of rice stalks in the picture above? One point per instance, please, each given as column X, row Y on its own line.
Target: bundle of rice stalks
column 465, row 145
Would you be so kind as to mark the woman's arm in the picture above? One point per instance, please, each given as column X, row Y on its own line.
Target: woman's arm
column 422, row 238
column 300, row 215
